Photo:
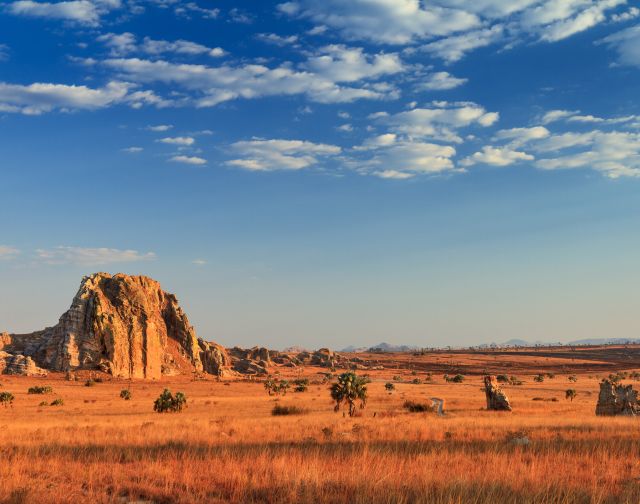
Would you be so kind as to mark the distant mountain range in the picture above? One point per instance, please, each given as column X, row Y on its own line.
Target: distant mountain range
column 515, row 342
column 381, row 347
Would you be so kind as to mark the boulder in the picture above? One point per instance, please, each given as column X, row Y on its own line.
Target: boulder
column 496, row 398
column 215, row 359
column 616, row 399
column 19, row 365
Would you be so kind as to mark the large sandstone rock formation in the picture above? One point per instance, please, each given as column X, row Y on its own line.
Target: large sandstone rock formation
column 616, row 399
column 124, row 325
column 496, row 399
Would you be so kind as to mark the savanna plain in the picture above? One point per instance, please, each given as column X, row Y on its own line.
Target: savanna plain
column 227, row 446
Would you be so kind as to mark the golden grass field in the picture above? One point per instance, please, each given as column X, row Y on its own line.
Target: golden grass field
column 227, row 447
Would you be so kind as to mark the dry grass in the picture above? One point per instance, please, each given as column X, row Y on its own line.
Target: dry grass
column 227, row 447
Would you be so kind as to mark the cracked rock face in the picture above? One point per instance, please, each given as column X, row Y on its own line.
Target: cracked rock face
column 497, row 400
column 615, row 399
column 125, row 325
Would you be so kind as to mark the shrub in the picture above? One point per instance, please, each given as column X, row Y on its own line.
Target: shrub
column 389, row 386
column 125, row 394
column 6, row 398
column 539, row 378
column 277, row 387
column 457, row 379
column 416, row 381
column 349, row 389
column 57, row 402
column 90, row 383
column 43, row 403
column 397, row 378
column 573, row 378
column 300, row 385
column 40, row 390
column 168, row 403
column 551, row 376
column 280, row 410
column 415, row 407
column 502, row 378
column 570, row 394
column 515, row 381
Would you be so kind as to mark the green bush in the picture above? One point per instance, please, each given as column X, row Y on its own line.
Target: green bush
column 539, row 378
column 573, row 378
column 168, row 403
column 279, row 410
column 570, row 394
column 301, row 385
column 389, row 386
column 416, row 407
column 125, row 394
column 57, row 402
column 502, row 378
column 6, row 398
column 40, row 390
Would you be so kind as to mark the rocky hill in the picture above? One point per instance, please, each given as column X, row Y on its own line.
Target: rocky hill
column 127, row 326
column 123, row 325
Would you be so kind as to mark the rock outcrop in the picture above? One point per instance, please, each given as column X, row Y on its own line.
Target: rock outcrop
column 124, row 325
column 496, row 399
column 616, row 399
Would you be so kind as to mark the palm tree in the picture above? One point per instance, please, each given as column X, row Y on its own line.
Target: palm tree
column 350, row 388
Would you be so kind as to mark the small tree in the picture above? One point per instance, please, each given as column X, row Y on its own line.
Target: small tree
column 6, row 398
column 389, row 386
column 349, row 389
column 168, row 403
column 570, row 394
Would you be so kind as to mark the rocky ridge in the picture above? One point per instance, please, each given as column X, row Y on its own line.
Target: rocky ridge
column 129, row 327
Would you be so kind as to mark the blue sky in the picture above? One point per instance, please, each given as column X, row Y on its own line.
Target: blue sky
column 327, row 173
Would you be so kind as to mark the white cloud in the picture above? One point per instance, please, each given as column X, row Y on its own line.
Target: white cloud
column 383, row 21
column 279, row 40
column 37, row 98
column 557, row 115
column 626, row 43
column 440, row 121
column 90, row 256
column 132, row 150
column 7, row 252
column 345, row 127
column 520, row 136
column 4, row 52
column 79, row 11
column 186, row 9
column 339, row 63
column 615, row 153
column 440, row 81
column 192, row 160
column 272, row 155
column 178, row 140
column 454, row 48
column 388, row 156
column 393, row 174
column 199, row 262
column 126, row 43
column 223, row 83
column 159, row 127
column 496, row 156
